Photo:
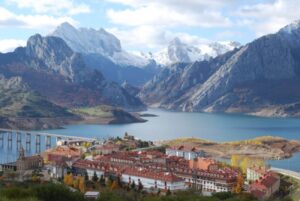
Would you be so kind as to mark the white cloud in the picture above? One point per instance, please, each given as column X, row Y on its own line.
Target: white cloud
column 8, row 45
column 56, row 7
column 8, row 18
column 168, row 13
column 152, row 38
column 266, row 18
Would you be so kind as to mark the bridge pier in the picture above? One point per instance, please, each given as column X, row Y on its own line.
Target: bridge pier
column 38, row 143
column 28, row 142
column 1, row 139
column 9, row 140
column 19, row 140
column 48, row 142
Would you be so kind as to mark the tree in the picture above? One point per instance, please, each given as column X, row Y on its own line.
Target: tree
column 114, row 185
column 86, row 176
column 133, row 185
column 76, row 183
column 239, row 184
column 140, row 186
column 235, row 161
column 68, row 179
column 81, row 184
column 102, row 180
column 110, row 181
column 168, row 192
column 95, row 177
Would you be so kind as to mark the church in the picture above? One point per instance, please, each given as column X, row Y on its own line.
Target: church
column 28, row 163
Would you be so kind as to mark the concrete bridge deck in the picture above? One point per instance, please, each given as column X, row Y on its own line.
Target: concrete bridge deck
column 46, row 134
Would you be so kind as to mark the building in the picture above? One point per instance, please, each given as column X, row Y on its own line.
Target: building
column 153, row 180
column 89, row 168
column 266, row 186
column 148, row 166
column 128, row 137
column 209, row 181
column 189, row 153
column 62, row 153
column 255, row 173
column 105, row 149
column 28, row 163
column 203, row 164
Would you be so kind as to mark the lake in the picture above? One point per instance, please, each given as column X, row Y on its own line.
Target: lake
column 215, row 127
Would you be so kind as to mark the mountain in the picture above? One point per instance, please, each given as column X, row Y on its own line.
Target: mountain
column 130, row 89
column 21, row 107
column 50, row 67
column 177, row 51
column 101, row 50
column 261, row 78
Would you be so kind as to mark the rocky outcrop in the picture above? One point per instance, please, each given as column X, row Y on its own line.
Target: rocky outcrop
column 51, row 68
column 260, row 78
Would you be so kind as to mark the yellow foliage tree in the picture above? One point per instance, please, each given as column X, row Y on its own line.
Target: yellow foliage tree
column 76, row 183
column 235, row 161
column 68, row 179
column 81, row 184
column 239, row 185
column 244, row 162
column 114, row 185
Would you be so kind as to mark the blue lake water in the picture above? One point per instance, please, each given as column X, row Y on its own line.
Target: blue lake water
column 215, row 127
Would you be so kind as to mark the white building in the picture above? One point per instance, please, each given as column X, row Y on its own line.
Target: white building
column 256, row 173
column 209, row 181
column 185, row 152
column 153, row 180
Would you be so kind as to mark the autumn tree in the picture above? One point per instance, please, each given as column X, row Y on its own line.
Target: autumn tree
column 114, row 185
column 76, row 183
column 81, row 184
column 68, row 179
column 239, row 184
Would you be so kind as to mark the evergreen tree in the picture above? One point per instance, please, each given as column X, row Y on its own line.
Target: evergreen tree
column 168, row 192
column 102, row 180
column 86, row 176
column 133, row 185
column 95, row 177
column 140, row 186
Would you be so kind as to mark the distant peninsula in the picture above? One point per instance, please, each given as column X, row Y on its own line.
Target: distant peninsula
column 267, row 147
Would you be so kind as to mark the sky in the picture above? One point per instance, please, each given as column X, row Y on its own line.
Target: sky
column 148, row 25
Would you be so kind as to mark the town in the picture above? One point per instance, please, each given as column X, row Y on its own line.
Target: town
column 132, row 163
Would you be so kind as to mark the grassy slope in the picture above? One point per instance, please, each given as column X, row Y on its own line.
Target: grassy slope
column 102, row 111
column 111, row 114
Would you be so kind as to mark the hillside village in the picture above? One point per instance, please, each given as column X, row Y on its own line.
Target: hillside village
column 131, row 164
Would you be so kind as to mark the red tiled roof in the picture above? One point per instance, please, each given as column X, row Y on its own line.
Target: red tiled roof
column 145, row 173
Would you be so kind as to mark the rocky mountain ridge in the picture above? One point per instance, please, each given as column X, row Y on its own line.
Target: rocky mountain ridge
column 260, row 78
column 52, row 69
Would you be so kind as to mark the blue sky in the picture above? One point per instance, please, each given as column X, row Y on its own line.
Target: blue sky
column 148, row 25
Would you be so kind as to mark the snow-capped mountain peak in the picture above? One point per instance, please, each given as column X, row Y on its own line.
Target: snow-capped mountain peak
column 177, row 51
column 88, row 40
column 91, row 41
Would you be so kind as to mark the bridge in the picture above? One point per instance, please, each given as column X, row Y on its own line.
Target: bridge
column 34, row 138
column 289, row 173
